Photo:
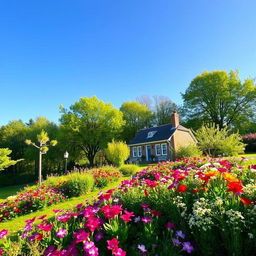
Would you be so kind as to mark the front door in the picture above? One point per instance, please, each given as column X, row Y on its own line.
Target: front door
column 148, row 153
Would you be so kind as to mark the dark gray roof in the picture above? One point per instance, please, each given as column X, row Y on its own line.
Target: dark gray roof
column 163, row 132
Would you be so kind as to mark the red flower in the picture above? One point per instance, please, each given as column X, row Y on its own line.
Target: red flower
column 110, row 211
column 146, row 193
column 245, row 201
column 182, row 188
column 235, row 187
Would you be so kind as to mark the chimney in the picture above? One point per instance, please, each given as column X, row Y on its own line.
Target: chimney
column 175, row 121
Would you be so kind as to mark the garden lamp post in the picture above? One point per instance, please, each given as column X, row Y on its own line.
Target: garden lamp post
column 66, row 160
column 43, row 148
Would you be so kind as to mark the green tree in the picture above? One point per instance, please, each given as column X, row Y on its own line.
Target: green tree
column 117, row 152
column 214, row 141
column 221, row 98
column 136, row 116
column 90, row 124
column 5, row 160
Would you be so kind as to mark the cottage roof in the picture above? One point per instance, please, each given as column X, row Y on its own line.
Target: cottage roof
column 162, row 132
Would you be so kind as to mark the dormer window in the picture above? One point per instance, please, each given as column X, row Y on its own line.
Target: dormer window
column 151, row 134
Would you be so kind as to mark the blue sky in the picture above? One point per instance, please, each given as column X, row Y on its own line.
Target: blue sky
column 54, row 52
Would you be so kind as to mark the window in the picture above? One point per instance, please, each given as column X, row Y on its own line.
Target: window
column 164, row 149
column 158, row 149
column 151, row 134
column 139, row 150
column 134, row 151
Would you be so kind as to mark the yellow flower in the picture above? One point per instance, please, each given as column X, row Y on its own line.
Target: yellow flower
column 229, row 177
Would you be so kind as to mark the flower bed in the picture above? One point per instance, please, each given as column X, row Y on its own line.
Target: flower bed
column 55, row 190
column 198, row 206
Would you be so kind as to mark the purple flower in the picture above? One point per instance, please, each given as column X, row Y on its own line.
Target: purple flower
column 142, row 248
column 176, row 241
column 180, row 234
column 137, row 219
column 187, row 247
column 61, row 233
column 28, row 227
column 3, row 233
column 170, row 225
column 98, row 236
column 174, row 184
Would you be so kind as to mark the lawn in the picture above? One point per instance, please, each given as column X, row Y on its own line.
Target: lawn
column 248, row 155
column 9, row 191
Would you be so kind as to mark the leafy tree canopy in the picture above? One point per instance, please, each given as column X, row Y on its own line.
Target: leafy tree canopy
column 5, row 160
column 221, row 98
column 90, row 124
column 136, row 116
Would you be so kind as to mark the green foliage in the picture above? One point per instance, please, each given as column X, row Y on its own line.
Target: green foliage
column 117, row 152
column 90, row 124
column 136, row 116
column 188, row 151
column 215, row 141
column 77, row 184
column 221, row 98
column 129, row 169
column 5, row 160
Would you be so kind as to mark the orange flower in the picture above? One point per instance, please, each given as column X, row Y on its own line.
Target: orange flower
column 212, row 173
column 229, row 177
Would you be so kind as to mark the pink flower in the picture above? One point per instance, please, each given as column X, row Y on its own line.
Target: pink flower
column 81, row 236
column 90, row 249
column 146, row 219
column 127, row 216
column 61, row 233
column 64, row 218
column 3, row 233
column 144, row 206
column 112, row 244
column 119, row 252
column 29, row 221
column 110, row 211
column 93, row 223
column 46, row 228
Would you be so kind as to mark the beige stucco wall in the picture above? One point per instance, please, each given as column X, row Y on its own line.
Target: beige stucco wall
column 182, row 138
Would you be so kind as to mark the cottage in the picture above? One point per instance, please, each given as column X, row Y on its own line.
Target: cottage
column 159, row 143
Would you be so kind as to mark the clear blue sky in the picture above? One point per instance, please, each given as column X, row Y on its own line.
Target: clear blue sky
column 53, row 52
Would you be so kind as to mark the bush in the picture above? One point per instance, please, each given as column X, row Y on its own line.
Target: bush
column 214, row 141
column 117, row 152
column 77, row 184
column 129, row 169
column 250, row 140
column 188, row 151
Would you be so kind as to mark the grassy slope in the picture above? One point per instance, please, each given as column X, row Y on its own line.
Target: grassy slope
column 19, row 222
column 9, row 191
column 248, row 155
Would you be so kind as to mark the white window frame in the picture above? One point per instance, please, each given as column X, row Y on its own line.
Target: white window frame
column 134, row 151
column 156, row 146
column 163, row 150
column 139, row 151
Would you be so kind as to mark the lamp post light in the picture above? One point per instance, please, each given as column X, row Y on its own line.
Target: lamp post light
column 66, row 160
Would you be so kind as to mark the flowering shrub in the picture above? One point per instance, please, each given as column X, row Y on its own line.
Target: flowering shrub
column 193, row 206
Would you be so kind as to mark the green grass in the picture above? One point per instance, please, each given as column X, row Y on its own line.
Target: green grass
column 9, row 191
column 248, row 155
column 15, row 224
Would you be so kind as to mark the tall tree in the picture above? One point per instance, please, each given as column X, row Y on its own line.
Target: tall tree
column 136, row 116
column 163, row 109
column 220, row 97
column 90, row 124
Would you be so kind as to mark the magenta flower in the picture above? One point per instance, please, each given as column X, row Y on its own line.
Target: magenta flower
column 170, row 225
column 44, row 227
column 98, row 236
column 146, row 219
column 28, row 227
column 112, row 244
column 29, row 221
column 144, row 206
column 3, row 233
column 187, row 247
column 119, row 252
column 80, row 236
column 90, row 249
column 127, row 216
column 64, row 218
column 61, row 233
